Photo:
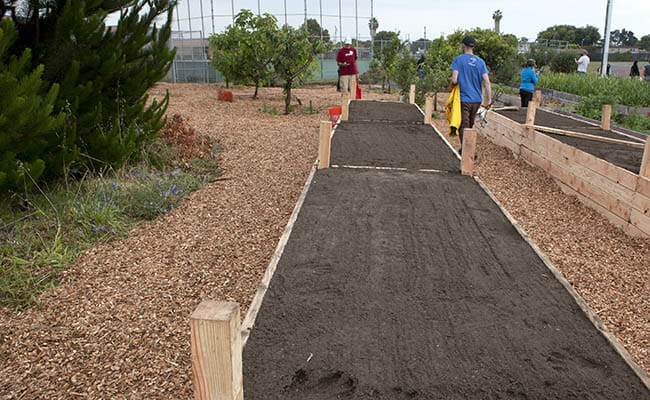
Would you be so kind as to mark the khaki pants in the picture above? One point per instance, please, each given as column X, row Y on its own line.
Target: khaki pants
column 346, row 83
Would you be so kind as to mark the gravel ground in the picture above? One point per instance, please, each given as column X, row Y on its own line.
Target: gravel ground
column 609, row 269
column 120, row 327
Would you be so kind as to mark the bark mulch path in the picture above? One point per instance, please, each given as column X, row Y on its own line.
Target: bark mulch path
column 120, row 327
column 609, row 269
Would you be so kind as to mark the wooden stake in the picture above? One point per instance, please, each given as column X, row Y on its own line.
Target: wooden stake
column 324, row 144
column 469, row 148
column 216, row 351
column 645, row 162
column 530, row 114
column 412, row 94
column 538, row 97
column 353, row 88
column 606, row 120
column 345, row 106
column 586, row 136
column 428, row 110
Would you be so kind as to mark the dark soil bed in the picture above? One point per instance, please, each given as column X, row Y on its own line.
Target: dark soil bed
column 406, row 285
column 404, row 145
column 384, row 111
column 623, row 156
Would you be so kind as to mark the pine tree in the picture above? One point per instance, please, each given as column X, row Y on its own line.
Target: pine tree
column 103, row 74
column 28, row 144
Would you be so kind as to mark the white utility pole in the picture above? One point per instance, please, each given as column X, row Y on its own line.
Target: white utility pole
column 608, row 24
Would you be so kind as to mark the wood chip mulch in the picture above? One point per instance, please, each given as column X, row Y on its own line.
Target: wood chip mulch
column 609, row 269
column 119, row 327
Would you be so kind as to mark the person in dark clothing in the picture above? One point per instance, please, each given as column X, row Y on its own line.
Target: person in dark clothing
column 634, row 71
column 528, row 80
column 646, row 72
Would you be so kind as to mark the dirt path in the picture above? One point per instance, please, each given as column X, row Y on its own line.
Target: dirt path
column 623, row 156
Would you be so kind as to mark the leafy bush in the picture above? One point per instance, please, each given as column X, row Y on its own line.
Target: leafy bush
column 563, row 62
column 542, row 55
column 591, row 106
column 405, row 69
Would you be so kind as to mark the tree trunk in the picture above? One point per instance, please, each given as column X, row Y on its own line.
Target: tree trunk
column 257, row 85
column 435, row 100
column 227, row 84
column 287, row 100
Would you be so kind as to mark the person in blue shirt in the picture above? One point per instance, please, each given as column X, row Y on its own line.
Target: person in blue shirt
column 528, row 80
column 469, row 71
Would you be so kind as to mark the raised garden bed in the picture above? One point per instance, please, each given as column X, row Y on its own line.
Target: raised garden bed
column 406, row 285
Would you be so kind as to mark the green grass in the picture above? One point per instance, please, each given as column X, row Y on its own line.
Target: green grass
column 42, row 232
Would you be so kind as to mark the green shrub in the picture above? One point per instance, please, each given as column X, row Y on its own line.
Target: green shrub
column 28, row 125
column 629, row 92
column 563, row 62
column 405, row 69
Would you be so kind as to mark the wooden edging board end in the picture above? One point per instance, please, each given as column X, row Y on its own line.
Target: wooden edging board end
column 251, row 315
column 591, row 315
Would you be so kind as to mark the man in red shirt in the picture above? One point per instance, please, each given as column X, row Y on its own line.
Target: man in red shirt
column 347, row 62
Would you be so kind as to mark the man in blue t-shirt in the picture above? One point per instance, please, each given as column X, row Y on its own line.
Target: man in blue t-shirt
column 468, row 71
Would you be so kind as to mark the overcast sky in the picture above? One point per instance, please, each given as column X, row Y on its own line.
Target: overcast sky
column 520, row 17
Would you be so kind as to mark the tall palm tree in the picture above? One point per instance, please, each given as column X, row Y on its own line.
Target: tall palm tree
column 497, row 20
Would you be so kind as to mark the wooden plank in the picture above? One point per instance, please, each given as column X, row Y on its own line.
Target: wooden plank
column 641, row 203
column 591, row 315
column 643, row 186
column 324, row 144
column 345, row 106
column 645, row 162
column 538, row 97
column 606, row 169
column 534, row 158
column 353, row 89
column 641, row 221
column 216, row 351
column 469, row 148
column 606, row 119
column 428, row 109
column 254, row 308
column 581, row 173
column 412, row 94
column 611, row 217
column 586, row 136
column 634, row 231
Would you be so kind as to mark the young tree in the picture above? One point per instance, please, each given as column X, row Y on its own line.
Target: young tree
column 227, row 56
column 405, row 70
column 295, row 58
column 258, row 40
column 28, row 142
column 437, row 62
column 387, row 47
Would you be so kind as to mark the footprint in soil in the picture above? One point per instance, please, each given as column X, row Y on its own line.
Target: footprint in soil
column 320, row 384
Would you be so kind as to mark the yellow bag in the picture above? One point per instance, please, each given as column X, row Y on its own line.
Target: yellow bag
column 452, row 109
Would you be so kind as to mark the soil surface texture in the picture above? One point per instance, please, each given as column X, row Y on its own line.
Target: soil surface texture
column 620, row 155
column 384, row 111
column 401, row 145
column 407, row 285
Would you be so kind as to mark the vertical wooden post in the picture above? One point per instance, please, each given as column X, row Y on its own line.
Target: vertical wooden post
column 345, row 106
column 324, row 144
column 606, row 120
column 469, row 149
column 532, row 110
column 412, row 94
column 353, row 88
column 216, row 351
column 428, row 109
column 538, row 97
column 645, row 162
